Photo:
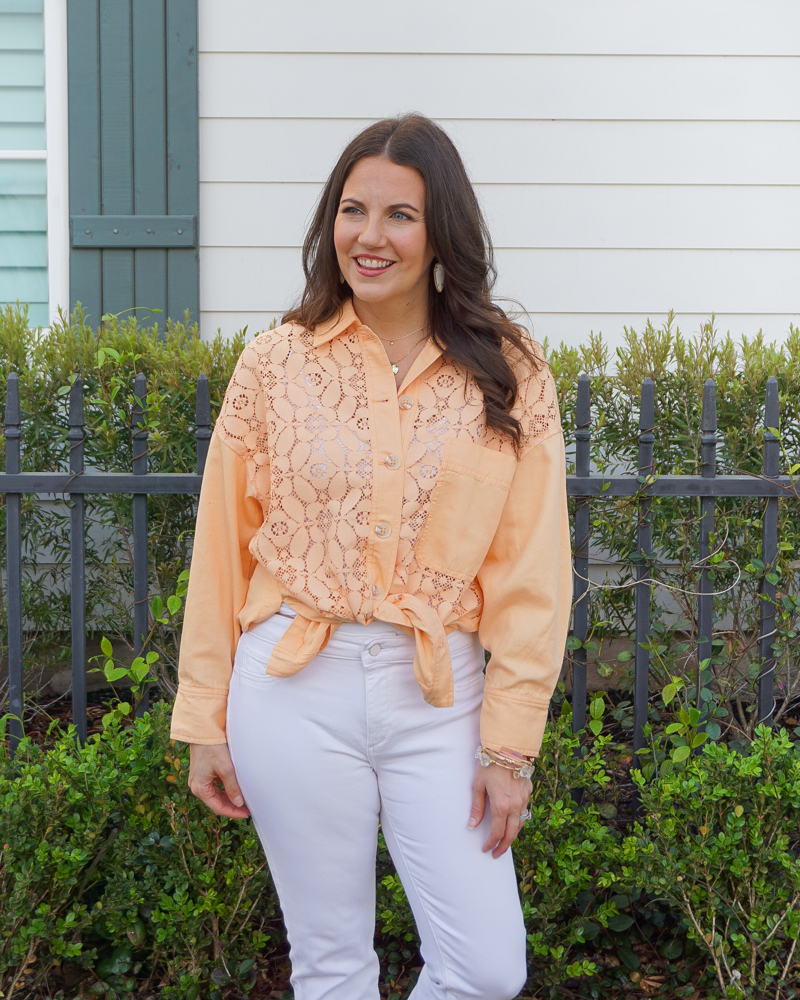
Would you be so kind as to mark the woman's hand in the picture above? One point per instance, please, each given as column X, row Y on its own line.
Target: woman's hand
column 210, row 767
column 508, row 799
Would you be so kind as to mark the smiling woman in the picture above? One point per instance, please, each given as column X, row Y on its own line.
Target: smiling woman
column 413, row 162
column 384, row 499
column 384, row 254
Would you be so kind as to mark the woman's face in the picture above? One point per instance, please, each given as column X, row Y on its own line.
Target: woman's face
column 380, row 235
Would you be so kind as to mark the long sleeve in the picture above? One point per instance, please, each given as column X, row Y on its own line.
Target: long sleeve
column 228, row 516
column 526, row 580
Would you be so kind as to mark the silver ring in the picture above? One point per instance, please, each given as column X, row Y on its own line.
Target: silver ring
column 524, row 817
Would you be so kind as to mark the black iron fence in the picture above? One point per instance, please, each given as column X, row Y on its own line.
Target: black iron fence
column 583, row 486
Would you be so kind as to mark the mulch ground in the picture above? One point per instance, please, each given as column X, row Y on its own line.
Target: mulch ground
column 40, row 714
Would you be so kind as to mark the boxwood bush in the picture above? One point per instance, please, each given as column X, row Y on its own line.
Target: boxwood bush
column 673, row 875
column 107, row 359
column 113, row 877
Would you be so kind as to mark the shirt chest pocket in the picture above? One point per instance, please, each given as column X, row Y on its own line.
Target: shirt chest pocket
column 465, row 509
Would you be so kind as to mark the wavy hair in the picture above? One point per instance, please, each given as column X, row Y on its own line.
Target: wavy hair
column 466, row 324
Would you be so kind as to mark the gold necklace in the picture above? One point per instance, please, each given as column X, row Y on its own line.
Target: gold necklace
column 396, row 364
column 404, row 337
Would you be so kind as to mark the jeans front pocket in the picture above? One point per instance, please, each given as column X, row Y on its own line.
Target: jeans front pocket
column 255, row 647
column 468, row 659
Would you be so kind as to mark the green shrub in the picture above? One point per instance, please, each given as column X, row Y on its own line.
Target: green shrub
column 58, row 812
column 565, row 856
column 108, row 360
column 679, row 367
column 719, row 842
column 109, row 863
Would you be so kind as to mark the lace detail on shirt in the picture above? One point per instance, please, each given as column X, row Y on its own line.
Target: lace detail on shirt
column 301, row 420
column 299, row 416
column 537, row 405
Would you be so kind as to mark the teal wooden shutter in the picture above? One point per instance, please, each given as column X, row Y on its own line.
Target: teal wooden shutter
column 133, row 156
column 23, row 174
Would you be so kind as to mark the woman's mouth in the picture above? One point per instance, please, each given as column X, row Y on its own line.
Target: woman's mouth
column 370, row 267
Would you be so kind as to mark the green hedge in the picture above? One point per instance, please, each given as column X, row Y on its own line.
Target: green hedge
column 705, row 888
column 108, row 864
column 108, row 359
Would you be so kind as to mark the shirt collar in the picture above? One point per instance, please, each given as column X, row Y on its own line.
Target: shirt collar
column 346, row 320
column 339, row 323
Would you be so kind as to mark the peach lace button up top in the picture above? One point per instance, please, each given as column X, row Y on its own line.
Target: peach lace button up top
column 329, row 490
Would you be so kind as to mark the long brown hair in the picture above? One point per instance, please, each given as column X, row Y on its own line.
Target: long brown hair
column 471, row 329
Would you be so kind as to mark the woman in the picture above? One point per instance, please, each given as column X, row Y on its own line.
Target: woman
column 384, row 498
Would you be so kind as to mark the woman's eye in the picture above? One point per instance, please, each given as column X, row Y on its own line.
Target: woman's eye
column 400, row 215
column 349, row 210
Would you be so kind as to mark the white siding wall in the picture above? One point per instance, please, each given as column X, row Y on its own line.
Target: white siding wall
column 631, row 157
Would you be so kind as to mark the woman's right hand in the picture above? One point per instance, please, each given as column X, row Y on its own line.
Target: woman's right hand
column 210, row 767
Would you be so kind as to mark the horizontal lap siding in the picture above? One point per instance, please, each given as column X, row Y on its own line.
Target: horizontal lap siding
column 23, row 182
column 692, row 88
column 21, row 75
column 630, row 216
column 630, row 159
column 629, row 27
column 300, row 150
column 243, row 278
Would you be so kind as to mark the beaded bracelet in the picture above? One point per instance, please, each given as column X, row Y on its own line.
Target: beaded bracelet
column 522, row 767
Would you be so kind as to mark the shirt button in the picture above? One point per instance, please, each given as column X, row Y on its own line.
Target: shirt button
column 382, row 529
column 405, row 402
column 392, row 461
column 378, row 592
column 374, row 650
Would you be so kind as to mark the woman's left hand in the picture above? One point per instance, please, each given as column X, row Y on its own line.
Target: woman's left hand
column 508, row 800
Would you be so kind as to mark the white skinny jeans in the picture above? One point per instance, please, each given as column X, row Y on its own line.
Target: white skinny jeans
column 325, row 755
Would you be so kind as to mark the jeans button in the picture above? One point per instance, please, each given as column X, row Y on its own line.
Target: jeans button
column 374, row 650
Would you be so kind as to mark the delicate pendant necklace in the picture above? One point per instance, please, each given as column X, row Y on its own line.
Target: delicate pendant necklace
column 404, row 337
column 396, row 364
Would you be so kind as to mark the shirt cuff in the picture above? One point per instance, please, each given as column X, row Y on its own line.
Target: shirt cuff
column 198, row 715
column 513, row 722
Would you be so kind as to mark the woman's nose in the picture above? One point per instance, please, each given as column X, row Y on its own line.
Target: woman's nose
column 372, row 234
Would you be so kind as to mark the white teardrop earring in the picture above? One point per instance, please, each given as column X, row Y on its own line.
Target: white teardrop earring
column 438, row 277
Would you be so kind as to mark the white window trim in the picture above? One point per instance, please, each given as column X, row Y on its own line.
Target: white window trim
column 23, row 154
column 57, row 154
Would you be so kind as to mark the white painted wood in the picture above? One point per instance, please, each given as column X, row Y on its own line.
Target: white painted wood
column 647, row 217
column 256, row 215
column 544, row 215
column 55, row 51
column 247, row 279
column 631, row 157
column 266, row 279
column 733, row 27
column 522, row 152
column 265, row 85
column 648, row 281
column 228, row 323
column 23, row 154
